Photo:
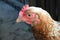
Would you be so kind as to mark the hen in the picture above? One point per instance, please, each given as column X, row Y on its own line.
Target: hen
column 43, row 26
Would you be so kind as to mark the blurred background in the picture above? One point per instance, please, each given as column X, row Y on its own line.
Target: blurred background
column 52, row 6
column 9, row 10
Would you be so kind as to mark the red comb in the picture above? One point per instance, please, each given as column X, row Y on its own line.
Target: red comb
column 21, row 13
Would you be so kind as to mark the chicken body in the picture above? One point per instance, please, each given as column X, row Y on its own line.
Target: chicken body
column 43, row 26
column 51, row 32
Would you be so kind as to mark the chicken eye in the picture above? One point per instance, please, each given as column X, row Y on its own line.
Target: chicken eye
column 29, row 15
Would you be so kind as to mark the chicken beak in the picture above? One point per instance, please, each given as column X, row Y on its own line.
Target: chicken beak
column 18, row 20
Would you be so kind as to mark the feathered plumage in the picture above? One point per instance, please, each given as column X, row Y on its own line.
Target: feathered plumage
column 43, row 26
